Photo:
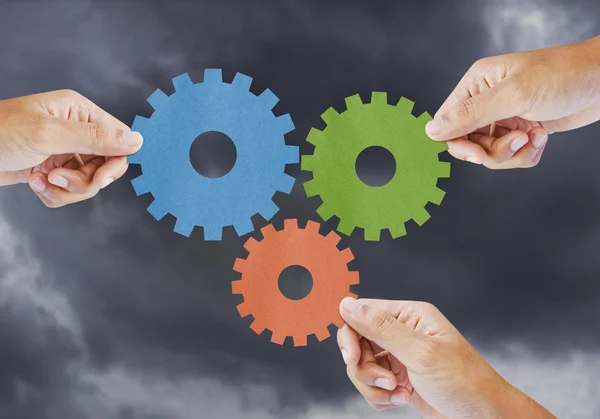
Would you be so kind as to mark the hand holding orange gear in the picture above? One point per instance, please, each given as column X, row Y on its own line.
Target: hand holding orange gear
column 259, row 284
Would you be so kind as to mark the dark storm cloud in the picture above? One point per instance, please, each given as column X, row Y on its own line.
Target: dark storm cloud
column 516, row 248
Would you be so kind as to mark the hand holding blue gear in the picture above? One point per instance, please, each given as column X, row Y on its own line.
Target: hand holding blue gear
column 258, row 135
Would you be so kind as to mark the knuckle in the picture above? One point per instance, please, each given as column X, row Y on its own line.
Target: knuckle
column 373, row 406
column 533, row 163
column 481, row 64
column 69, row 94
column 98, row 133
column 384, row 325
column 465, row 110
column 42, row 128
column 51, row 204
column 427, row 307
column 378, row 407
column 428, row 354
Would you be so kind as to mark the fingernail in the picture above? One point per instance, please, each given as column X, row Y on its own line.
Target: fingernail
column 383, row 383
column 434, row 127
column 517, row 144
column 132, row 138
column 539, row 139
column 61, row 182
column 350, row 305
column 345, row 356
column 399, row 398
column 472, row 159
column 38, row 184
column 107, row 182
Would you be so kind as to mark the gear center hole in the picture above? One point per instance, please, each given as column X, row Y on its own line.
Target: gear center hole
column 295, row 282
column 213, row 154
column 375, row 166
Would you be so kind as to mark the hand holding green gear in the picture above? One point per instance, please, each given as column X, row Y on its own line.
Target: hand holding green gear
column 357, row 204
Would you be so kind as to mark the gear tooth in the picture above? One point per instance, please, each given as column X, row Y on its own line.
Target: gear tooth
column 140, row 186
column 405, row 105
column 311, row 188
column 379, row 98
column 239, row 264
column 285, row 123
column 420, row 216
column 244, row 309
column 307, row 163
column 338, row 322
column 183, row 227
column 312, row 227
column 353, row 101
column 242, row 81
column 268, row 230
column 315, row 136
column 346, row 255
column 290, row 224
column 268, row 99
column 398, row 230
column 268, row 210
column 292, row 154
column 436, row 196
column 250, row 244
column 157, row 210
column 325, row 211
column 157, row 99
column 300, row 340
column 213, row 232
column 322, row 334
column 424, row 118
column 345, row 227
column 237, row 287
column 372, row 234
column 140, row 123
column 243, row 226
column 213, row 75
column 329, row 116
column 182, row 81
column 333, row 238
column 442, row 169
column 353, row 278
column 286, row 183
column 278, row 338
column 257, row 327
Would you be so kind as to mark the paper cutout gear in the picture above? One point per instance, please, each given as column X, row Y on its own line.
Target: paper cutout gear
column 248, row 188
column 356, row 203
column 259, row 283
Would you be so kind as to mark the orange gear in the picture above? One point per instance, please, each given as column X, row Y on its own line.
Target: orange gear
column 260, row 282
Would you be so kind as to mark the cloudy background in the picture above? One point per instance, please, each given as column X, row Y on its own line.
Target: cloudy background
column 105, row 313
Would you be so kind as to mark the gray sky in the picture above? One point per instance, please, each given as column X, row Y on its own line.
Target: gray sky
column 107, row 314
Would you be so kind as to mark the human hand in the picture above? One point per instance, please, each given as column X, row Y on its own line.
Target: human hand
column 63, row 145
column 401, row 352
column 504, row 108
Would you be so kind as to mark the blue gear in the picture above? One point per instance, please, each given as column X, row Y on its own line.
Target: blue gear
column 258, row 135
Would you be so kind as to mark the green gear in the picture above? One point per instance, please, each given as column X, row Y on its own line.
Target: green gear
column 382, row 207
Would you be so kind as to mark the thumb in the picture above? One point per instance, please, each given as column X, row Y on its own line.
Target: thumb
column 385, row 330
column 91, row 138
column 468, row 115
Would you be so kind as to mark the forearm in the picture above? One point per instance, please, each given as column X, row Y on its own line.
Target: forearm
column 510, row 403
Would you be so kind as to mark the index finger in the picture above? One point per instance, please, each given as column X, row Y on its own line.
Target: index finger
column 349, row 344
